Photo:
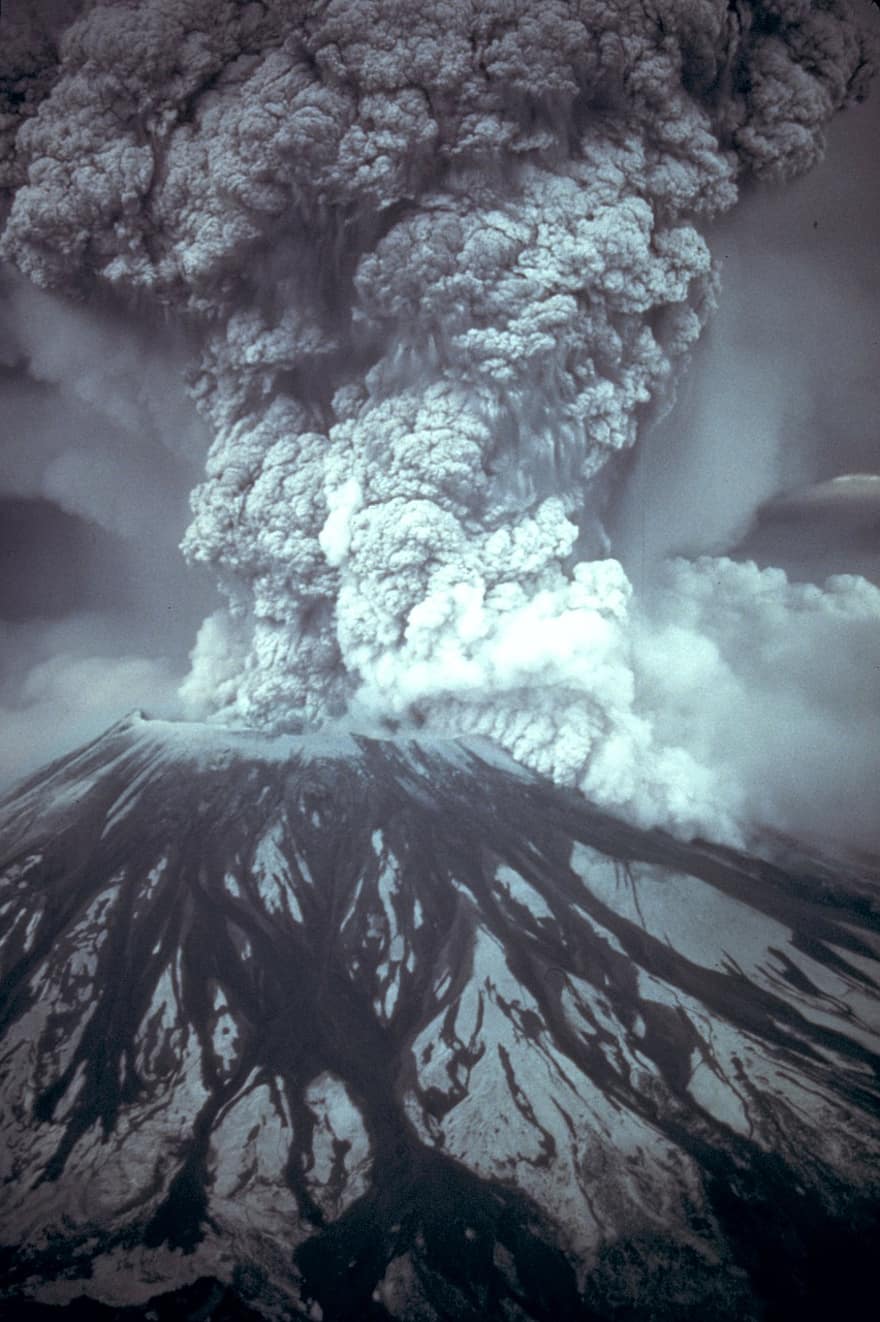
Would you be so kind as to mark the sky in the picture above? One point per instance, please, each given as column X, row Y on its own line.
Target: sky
column 413, row 442
column 99, row 448
column 784, row 388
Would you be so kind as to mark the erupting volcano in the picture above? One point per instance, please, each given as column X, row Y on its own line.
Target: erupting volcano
column 489, row 931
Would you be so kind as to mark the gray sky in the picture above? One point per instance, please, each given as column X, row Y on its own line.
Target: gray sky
column 99, row 448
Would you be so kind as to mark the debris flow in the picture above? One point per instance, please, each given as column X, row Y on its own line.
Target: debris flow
column 370, row 1029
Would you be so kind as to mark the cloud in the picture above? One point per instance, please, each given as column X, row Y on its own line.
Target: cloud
column 783, row 391
column 442, row 267
column 772, row 684
column 58, row 688
column 98, row 450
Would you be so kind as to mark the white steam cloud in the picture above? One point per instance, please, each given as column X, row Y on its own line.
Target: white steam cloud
column 445, row 263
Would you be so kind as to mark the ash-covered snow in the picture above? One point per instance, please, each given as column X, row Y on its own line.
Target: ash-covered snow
column 288, row 1000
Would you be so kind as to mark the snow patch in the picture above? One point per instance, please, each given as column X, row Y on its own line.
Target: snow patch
column 341, row 1154
column 272, row 873
column 514, row 886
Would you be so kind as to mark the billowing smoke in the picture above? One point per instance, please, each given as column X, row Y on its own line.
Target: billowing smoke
column 444, row 263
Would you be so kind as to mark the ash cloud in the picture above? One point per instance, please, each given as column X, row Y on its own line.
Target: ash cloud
column 444, row 265
column 791, row 355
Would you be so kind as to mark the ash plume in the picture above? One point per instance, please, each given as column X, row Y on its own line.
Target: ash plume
column 445, row 263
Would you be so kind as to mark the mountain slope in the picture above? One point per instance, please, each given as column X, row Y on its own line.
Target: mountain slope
column 367, row 1028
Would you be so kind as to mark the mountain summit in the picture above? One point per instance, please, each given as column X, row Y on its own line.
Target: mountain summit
column 369, row 1028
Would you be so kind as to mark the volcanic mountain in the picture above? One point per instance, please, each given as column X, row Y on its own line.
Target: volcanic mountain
column 359, row 1028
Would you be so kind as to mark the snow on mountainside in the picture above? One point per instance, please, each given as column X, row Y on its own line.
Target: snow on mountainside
column 364, row 1028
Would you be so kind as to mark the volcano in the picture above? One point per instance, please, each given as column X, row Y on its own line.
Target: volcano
column 348, row 1027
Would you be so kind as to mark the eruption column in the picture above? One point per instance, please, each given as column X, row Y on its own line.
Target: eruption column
column 444, row 262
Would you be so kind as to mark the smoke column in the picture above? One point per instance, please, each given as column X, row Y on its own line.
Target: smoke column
column 444, row 264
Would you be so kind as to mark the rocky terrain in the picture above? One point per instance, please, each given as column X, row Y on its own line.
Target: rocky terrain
column 356, row 1028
